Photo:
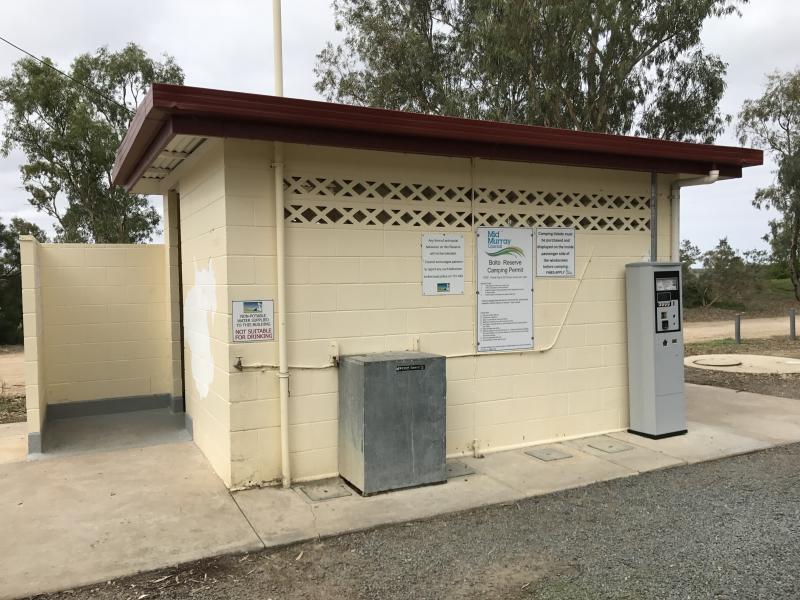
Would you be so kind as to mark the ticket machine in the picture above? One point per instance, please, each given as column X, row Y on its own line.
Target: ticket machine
column 655, row 349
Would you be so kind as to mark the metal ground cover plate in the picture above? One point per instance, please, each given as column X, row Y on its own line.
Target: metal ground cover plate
column 457, row 468
column 548, row 454
column 327, row 489
column 609, row 445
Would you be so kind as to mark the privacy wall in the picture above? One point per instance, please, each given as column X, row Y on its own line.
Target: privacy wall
column 354, row 224
column 33, row 328
column 98, row 323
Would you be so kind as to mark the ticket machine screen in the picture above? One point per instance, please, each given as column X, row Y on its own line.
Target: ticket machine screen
column 668, row 298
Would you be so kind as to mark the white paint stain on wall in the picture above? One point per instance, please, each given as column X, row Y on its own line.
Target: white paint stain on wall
column 201, row 304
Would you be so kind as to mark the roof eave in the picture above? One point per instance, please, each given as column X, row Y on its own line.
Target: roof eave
column 172, row 110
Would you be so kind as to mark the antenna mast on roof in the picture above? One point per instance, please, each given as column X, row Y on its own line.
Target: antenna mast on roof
column 277, row 46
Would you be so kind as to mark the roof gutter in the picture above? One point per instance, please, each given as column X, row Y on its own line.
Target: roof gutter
column 675, row 229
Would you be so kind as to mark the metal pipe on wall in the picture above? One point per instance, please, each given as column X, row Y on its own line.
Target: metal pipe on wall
column 654, row 217
column 675, row 229
column 280, row 257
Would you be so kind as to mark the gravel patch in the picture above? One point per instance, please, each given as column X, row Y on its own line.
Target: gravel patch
column 723, row 529
column 12, row 408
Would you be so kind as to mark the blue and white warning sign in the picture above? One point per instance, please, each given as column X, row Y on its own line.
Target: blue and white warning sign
column 253, row 321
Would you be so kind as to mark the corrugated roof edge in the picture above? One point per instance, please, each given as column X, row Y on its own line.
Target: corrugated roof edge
column 170, row 110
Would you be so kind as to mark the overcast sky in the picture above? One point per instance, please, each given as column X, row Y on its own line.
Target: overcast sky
column 228, row 45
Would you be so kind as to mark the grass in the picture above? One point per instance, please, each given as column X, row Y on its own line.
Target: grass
column 782, row 286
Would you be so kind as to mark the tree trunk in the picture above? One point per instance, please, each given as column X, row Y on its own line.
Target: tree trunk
column 794, row 259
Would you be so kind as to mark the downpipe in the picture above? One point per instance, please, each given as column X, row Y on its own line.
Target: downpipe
column 675, row 209
column 283, row 368
column 280, row 256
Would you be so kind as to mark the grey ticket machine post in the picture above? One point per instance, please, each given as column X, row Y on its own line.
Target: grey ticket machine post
column 655, row 349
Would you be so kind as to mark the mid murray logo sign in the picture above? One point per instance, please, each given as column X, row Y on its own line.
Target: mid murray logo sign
column 501, row 246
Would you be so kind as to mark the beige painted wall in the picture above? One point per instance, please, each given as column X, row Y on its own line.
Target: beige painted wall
column 33, row 331
column 205, row 297
column 104, row 315
column 358, row 286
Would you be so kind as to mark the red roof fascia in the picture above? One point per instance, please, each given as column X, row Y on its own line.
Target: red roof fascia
column 170, row 110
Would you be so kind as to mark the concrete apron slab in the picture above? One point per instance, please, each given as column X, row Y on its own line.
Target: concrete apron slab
column 285, row 516
column 722, row 423
column 79, row 519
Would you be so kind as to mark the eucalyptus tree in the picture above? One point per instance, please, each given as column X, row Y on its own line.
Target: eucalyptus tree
column 773, row 122
column 634, row 66
column 68, row 126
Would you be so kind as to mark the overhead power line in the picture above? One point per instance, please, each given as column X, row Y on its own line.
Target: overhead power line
column 68, row 76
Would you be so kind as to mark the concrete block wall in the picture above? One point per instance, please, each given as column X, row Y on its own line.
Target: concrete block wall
column 205, row 305
column 105, row 327
column 33, row 331
column 358, row 287
column 254, row 398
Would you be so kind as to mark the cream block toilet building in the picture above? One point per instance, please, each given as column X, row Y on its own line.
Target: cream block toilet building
column 360, row 187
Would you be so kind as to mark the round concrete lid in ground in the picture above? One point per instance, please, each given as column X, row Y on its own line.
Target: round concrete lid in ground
column 744, row 363
column 717, row 361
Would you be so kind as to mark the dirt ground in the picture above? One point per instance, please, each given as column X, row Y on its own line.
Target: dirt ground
column 785, row 386
column 702, row 331
column 12, row 384
column 762, row 310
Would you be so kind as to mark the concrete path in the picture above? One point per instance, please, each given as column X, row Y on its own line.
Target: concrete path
column 704, row 331
column 13, row 442
column 82, row 518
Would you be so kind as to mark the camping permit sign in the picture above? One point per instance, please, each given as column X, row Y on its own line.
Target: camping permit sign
column 253, row 321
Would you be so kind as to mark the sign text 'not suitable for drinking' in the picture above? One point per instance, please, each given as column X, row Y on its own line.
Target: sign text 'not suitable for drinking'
column 253, row 321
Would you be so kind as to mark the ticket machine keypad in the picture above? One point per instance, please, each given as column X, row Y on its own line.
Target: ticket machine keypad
column 668, row 299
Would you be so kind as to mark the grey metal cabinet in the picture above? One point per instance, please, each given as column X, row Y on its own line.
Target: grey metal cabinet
column 392, row 420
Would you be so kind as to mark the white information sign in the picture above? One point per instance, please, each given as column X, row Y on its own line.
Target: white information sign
column 555, row 252
column 442, row 264
column 253, row 321
column 504, row 264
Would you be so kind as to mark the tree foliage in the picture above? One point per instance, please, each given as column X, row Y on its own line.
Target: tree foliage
column 69, row 131
column 773, row 122
column 690, row 255
column 11, row 277
column 609, row 66
column 725, row 278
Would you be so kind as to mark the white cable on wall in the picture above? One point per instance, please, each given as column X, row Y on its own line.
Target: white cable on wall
column 263, row 367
